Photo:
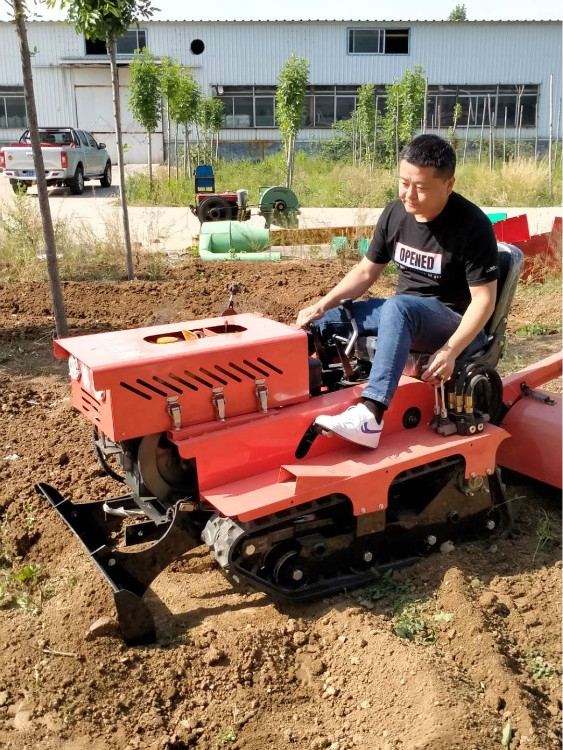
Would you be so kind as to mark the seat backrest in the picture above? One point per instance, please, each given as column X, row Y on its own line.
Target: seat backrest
column 511, row 262
column 204, row 179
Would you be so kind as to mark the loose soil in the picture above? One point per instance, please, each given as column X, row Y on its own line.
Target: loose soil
column 233, row 670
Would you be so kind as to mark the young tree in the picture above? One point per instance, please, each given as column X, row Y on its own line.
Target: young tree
column 106, row 20
column 366, row 116
column 459, row 13
column 145, row 100
column 404, row 108
column 183, row 109
column 210, row 117
column 290, row 105
column 43, row 197
column 457, row 113
column 169, row 83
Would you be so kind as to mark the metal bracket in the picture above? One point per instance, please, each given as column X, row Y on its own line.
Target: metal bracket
column 175, row 412
column 262, row 394
column 527, row 391
column 218, row 400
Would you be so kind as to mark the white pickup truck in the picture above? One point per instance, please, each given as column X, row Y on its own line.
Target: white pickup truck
column 70, row 156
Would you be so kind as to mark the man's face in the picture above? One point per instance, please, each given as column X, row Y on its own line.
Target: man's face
column 424, row 193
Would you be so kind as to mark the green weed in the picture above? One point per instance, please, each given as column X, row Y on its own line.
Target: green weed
column 20, row 589
column 548, row 533
column 397, row 593
column 413, row 623
column 226, row 736
column 538, row 666
column 537, row 329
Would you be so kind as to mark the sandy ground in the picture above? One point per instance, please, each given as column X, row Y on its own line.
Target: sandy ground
column 233, row 670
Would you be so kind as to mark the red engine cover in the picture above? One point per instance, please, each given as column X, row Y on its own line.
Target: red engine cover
column 123, row 381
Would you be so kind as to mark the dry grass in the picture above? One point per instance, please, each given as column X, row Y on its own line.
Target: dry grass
column 82, row 253
column 524, row 182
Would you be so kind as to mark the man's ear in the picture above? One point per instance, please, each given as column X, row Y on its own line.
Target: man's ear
column 450, row 184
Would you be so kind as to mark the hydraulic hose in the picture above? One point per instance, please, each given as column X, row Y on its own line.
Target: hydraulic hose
column 102, row 459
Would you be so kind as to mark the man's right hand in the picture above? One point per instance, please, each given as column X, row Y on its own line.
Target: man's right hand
column 309, row 314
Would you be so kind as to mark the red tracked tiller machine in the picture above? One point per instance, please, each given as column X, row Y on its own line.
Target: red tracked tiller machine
column 208, row 424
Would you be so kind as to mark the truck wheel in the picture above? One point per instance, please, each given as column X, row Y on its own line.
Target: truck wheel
column 76, row 183
column 19, row 187
column 105, row 180
column 214, row 209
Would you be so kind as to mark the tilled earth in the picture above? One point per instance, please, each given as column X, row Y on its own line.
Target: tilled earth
column 481, row 669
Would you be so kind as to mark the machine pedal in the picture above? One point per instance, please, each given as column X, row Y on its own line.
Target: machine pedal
column 308, row 439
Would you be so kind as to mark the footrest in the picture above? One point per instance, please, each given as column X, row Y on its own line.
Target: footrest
column 359, row 473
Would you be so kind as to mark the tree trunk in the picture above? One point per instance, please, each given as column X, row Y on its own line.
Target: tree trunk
column 149, row 156
column 43, row 197
column 112, row 46
column 197, row 143
column 176, row 150
column 169, row 138
column 190, row 170
column 185, row 148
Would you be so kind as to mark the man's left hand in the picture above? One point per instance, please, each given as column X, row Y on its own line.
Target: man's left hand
column 440, row 366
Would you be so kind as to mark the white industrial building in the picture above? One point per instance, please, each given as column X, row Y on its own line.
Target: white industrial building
column 507, row 64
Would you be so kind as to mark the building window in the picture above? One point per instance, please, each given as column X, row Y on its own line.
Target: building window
column 132, row 40
column 12, row 108
column 376, row 41
column 255, row 106
column 248, row 106
column 482, row 104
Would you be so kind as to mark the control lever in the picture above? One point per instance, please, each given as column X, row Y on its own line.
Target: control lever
column 348, row 306
column 230, row 309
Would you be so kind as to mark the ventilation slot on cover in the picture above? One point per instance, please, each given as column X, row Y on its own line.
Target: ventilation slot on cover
column 240, row 369
column 90, row 405
column 272, row 367
column 213, row 376
column 136, row 391
column 178, row 379
column 230, row 375
column 255, row 367
column 151, row 387
column 198, row 379
column 167, row 385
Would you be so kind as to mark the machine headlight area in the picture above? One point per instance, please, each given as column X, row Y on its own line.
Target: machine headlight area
column 100, row 396
column 74, row 368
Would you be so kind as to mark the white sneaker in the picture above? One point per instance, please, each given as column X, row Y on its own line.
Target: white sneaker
column 356, row 424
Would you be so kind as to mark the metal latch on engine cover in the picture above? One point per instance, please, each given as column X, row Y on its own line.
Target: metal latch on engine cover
column 218, row 400
column 262, row 394
column 175, row 411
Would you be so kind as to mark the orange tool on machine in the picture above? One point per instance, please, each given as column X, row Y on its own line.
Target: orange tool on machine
column 211, row 431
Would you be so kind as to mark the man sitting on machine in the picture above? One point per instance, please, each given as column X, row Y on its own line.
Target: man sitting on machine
column 447, row 256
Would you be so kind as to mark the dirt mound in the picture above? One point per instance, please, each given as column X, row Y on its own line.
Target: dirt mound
column 448, row 654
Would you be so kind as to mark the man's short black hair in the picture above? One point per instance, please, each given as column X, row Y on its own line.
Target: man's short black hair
column 431, row 151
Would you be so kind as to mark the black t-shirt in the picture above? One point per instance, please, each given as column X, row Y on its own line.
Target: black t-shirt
column 440, row 258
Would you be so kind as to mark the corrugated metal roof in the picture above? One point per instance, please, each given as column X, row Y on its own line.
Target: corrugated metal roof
column 344, row 20
column 324, row 20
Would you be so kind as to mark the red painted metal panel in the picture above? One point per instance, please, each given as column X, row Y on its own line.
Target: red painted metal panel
column 255, row 444
column 512, row 230
column 361, row 474
column 535, row 447
column 533, row 376
column 126, row 378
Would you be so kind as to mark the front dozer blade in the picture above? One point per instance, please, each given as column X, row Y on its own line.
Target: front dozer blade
column 128, row 573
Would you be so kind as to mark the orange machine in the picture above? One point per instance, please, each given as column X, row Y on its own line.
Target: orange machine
column 209, row 425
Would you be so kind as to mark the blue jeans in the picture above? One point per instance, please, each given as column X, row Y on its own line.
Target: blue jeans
column 401, row 323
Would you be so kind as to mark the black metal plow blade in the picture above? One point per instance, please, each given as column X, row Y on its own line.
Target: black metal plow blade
column 128, row 573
